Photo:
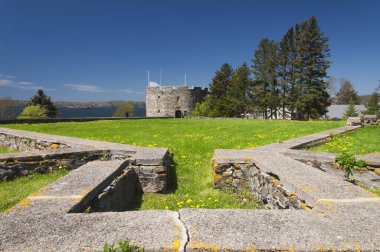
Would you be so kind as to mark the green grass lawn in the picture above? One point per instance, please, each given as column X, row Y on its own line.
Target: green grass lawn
column 5, row 150
column 192, row 141
column 362, row 141
column 12, row 192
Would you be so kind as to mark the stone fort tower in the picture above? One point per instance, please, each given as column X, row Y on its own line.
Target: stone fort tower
column 172, row 101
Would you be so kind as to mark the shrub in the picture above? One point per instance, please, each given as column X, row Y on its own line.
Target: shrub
column 123, row 246
column 33, row 112
column 122, row 108
column 44, row 101
column 201, row 109
column 348, row 162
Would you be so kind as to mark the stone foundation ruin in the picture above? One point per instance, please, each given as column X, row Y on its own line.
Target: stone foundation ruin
column 312, row 209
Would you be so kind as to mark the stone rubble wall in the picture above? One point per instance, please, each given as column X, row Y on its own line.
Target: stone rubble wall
column 152, row 173
column 14, row 142
column 17, row 165
column 43, row 155
column 152, row 178
column 265, row 187
column 118, row 196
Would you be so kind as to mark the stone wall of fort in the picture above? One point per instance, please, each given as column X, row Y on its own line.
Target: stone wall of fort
column 171, row 101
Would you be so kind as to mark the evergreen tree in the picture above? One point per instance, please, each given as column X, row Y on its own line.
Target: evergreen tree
column 314, row 53
column 346, row 93
column 372, row 106
column 288, row 66
column 44, row 101
column 237, row 93
column 265, row 62
column 218, row 91
column 350, row 111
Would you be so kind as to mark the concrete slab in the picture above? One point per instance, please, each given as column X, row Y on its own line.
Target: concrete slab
column 306, row 141
column 372, row 159
column 85, row 179
column 309, row 183
column 153, row 230
column 285, row 230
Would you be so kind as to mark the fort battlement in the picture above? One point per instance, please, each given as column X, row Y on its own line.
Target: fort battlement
column 172, row 101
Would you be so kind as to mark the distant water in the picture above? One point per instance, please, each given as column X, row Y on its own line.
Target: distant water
column 86, row 112
column 95, row 112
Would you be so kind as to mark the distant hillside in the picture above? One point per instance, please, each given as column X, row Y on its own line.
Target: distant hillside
column 78, row 109
column 63, row 104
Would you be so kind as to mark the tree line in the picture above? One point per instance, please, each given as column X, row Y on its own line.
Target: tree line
column 40, row 106
column 287, row 79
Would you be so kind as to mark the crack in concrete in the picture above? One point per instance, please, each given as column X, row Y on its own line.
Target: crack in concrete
column 185, row 234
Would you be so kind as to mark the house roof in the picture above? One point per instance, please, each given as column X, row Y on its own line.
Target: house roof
column 337, row 111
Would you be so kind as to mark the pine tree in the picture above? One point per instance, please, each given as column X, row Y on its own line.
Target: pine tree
column 288, row 67
column 346, row 93
column 44, row 101
column 218, row 91
column 350, row 111
column 314, row 53
column 237, row 93
column 372, row 106
column 265, row 62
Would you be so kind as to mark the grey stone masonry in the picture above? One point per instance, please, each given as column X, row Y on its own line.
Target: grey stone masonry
column 69, row 214
column 354, row 121
column 50, row 152
column 295, row 178
column 370, row 119
column 368, row 177
column 173, row 101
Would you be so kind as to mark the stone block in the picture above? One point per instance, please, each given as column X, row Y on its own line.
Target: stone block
column 370, row 119
column 354, row 121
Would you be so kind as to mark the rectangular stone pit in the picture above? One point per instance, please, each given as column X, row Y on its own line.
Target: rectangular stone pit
column 244, row 174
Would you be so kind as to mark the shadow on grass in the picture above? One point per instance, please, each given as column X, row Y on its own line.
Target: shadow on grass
column 172, row 182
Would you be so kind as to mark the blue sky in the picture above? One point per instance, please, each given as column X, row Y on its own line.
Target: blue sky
column 97, row 50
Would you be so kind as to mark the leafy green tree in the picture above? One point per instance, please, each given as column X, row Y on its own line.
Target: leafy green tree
column 41, row 99
column 218, row 91
column 350, row 111
column 201, row 108
column 33, row 112
column 237, row 93
column 346, row 93
column 314, row 53
column 372, row 106
column 264, row 68
column 122, row 108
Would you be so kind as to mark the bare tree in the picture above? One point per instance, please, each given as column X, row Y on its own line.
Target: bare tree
column 332, row 86
column 7, row 108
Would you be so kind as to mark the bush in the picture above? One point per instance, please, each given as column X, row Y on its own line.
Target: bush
column 45, row 101
column 201, row 109
column 33, row 112
column 348, row 162
column 122, row 108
